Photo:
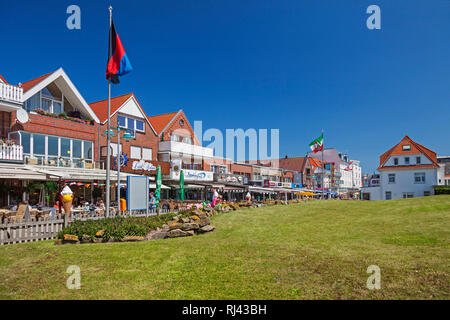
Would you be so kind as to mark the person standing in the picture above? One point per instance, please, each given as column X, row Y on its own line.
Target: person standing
column 215, row 197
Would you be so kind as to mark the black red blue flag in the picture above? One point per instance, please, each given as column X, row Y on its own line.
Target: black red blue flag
column 118, row 63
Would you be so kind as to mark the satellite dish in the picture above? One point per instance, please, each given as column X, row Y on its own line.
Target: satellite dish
column 22, row 116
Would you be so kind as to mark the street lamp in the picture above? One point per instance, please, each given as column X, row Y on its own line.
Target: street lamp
column 127, row 136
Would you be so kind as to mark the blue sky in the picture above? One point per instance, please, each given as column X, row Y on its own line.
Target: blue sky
column 300, row 66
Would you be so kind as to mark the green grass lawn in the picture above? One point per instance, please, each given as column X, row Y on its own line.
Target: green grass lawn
column 314, row 250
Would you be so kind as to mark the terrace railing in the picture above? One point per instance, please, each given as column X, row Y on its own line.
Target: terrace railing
column 11, row 93
column 11, row 152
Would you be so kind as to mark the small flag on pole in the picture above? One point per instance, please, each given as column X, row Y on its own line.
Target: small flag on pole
column 118, row 63
column 317, row 144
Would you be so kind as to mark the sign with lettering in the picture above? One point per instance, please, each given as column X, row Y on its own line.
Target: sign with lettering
column 142, row 165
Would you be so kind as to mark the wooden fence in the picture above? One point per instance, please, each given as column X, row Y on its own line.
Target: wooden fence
column 46, row 228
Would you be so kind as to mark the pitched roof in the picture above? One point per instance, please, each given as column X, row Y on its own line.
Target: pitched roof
column 3, row 79
column 295, row 164
column 101, row 107
column 160, row 121
column 416, row 148
column 31, row 83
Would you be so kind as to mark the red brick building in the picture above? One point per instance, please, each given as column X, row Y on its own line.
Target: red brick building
column 141, row 150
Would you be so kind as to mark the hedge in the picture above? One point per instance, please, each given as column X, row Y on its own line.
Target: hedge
column 442, row 190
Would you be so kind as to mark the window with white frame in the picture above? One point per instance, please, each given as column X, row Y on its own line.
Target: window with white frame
column 131, row 124
column 388, row 195
column 187, row 140
column 419, row 177
column 53, row 147
column 135, row 152
column 147, row 153
column 50, row 99
column 114, row 149
column 408, row 195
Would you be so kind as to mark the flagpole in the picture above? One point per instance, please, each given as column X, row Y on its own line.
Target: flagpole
column 323, row 167
column 118, row 162
column 108, row 136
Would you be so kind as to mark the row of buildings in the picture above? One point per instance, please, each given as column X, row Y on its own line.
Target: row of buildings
column 50, row 133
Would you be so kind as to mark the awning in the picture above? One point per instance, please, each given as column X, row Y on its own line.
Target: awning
column 260, row 189
column 153, row 186
column 27, row 172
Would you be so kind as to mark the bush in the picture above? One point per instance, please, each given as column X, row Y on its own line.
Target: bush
column 117, row 227
column 442, row 190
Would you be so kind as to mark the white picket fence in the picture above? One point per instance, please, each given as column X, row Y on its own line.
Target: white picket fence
column 13, row 152
column 48, row 227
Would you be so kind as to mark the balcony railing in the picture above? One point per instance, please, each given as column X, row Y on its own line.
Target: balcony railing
column 11, row 93
column 11, row 152
column 185, row 148
column 64, row 163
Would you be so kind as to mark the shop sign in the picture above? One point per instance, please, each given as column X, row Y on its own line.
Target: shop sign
column 192, row 175
column 229, row 178
column 142, row 165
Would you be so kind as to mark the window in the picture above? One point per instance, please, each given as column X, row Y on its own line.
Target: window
column 131, row 124
column 388, row 195
column 52, row 146
column 426, row 193
column 181, row 122
column 25, row 141
column 39, row 144
column 87, row 149
column 122, row 121
column 147, row 153
column 418, row 160
column 396, row 161
column 135, row 152
column 49, row 99
column 187, row 140
column 408, row 195
column 407, row 160
column 419, row 177
column 406, row 147
column 391, row 177
column 139, row 125
column 76, row 149
column 114, row 149
column 173, row 137
column 65, row 147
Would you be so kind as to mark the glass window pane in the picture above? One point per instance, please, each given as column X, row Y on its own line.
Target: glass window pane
column 65, row 147
column 25, row 141
column 130, row 123
column 34, row 102
column 87, row 150
column 52, row 146
column 121, row 120
column 38, row 144
column 57, row 107
column 46, row 105
column 76, row 148
column 140, row 125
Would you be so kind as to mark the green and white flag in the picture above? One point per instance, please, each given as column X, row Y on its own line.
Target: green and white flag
column 317, row 144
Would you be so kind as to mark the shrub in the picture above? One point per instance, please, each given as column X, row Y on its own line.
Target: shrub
column 442, row 190
column 117, row 227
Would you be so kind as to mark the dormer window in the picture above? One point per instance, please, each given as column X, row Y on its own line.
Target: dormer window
column 406, row 147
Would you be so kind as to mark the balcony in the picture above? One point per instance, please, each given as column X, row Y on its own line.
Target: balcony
column 185, row 149
column 11, row 152
column 11, row 97
column 64, row 163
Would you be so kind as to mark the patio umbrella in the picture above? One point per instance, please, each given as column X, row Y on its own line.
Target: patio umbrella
column 158, row 185
column 182, row 186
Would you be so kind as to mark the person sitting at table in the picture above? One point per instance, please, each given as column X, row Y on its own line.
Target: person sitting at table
column 100, row 208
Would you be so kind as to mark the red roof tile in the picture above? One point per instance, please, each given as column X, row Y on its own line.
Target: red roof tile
column 160, row 121
column 31, row 83
column 101, row 107
column 295, row 164
column 416, row 148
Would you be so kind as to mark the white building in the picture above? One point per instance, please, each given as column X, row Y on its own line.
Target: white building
column 407, row 170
